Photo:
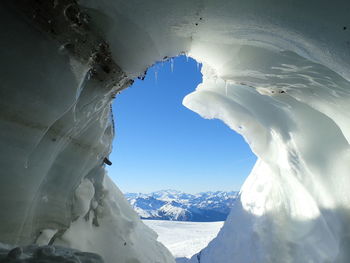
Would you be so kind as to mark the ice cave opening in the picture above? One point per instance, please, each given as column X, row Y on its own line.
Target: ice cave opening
column 160, row 144
column 277, row 72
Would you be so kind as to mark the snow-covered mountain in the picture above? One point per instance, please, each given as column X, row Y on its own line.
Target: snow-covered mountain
column 176, row 205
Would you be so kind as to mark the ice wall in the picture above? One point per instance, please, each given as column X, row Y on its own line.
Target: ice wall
column 294, row 205
column 58, row 80
column 275, row 71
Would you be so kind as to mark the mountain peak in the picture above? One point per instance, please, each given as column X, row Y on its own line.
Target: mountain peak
column 176, row 205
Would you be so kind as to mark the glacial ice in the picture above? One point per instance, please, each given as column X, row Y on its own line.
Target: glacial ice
column 56, row 130
column 287, row 68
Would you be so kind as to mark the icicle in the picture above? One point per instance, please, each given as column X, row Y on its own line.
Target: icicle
column 74, row 112
column 226, row 87
column 186, row 54
column 63, row 49
column 197, row 65
column 156, row 76
column 172, row 64
column 26, row 163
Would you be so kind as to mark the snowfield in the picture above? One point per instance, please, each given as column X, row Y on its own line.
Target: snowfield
column 184, row 239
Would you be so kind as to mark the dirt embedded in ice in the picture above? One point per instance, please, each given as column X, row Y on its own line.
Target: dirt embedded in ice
column 46, row 254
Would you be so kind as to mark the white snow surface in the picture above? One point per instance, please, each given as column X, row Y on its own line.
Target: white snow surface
column 120, row 235
column 184, row 239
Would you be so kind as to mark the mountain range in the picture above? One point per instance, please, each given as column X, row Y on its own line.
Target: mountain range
column 180, row 206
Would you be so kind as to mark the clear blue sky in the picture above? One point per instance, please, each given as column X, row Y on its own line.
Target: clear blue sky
column 160, row 144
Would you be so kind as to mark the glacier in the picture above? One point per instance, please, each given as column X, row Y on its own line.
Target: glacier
column 277, row 72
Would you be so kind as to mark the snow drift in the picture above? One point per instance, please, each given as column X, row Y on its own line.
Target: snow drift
column 276, row 72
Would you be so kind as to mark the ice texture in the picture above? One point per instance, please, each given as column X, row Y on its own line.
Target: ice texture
column 119, row 234
column 56, row 132
column 277, row 72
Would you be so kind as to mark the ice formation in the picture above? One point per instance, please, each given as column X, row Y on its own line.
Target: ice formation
column 275, row 71
column 58, row 81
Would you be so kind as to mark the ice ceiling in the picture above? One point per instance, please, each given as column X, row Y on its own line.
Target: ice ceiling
column 275, row 71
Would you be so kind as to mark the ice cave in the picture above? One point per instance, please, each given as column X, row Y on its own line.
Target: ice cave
column 277, row 72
